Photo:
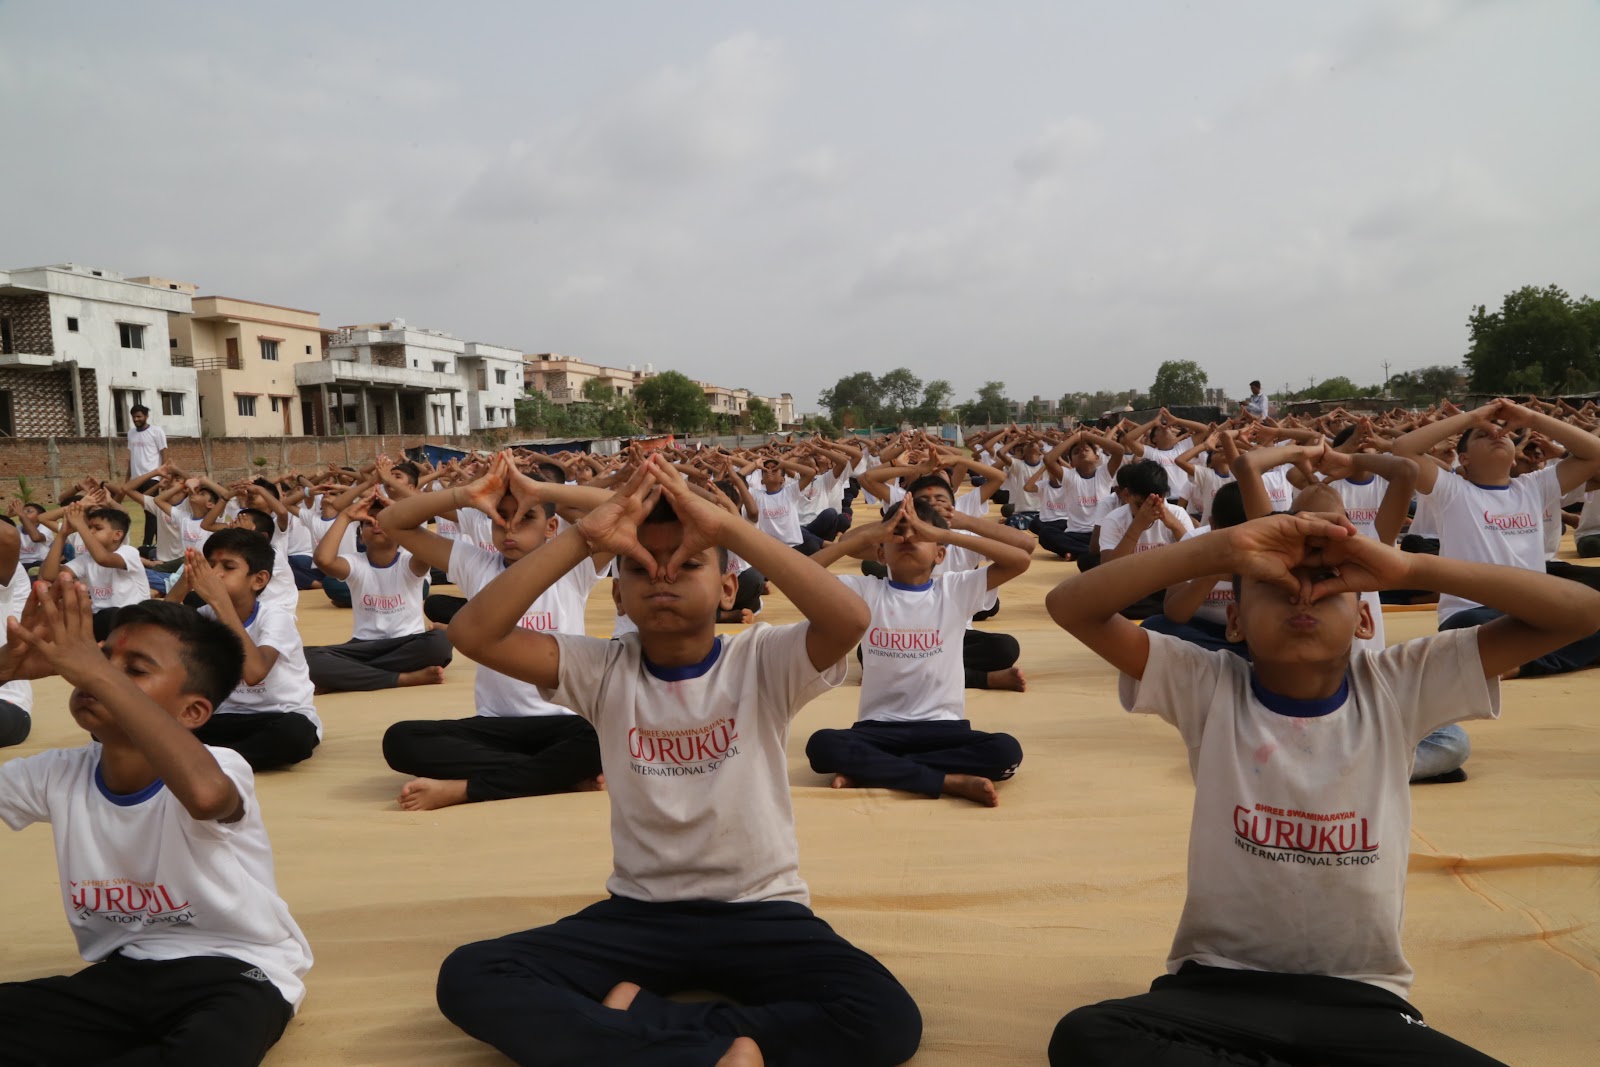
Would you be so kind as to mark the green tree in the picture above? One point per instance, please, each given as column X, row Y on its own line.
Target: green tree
column 672, row 402
column 1178, row 381
column 826, row 427
column 898, row 391
column 1426, row 385
column 934, row 407
column 761, row 416
column 1538, row 341
column 1336, row 388
column 535, row 412
column 853, row 400
column 989, row 406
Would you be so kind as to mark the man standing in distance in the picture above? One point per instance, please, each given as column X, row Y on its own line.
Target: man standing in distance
column 1256, row 403
column 147, row 450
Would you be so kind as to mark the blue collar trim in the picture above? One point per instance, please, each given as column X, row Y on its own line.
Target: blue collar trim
column 921, row 587
column 126, row 800
column 1498, row 488
column 1368, row 480
column 255, row 609
column 684, row 673
column 1300, row 709
column 382, row 566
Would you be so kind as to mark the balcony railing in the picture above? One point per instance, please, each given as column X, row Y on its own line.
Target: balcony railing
column 182, row 361
column 219, row 363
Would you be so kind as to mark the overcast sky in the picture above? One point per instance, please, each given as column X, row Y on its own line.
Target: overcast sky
column 1056, row 195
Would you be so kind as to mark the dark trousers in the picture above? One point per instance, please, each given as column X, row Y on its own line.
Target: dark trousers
column 498, row 758
column 359, row 666
column 982, row 652
column 305, row 571
column 442, row 607
column 913, row 756
column 1208, row 635
column 807, row 996
column 1589, row 546
column 1055, row 537
column 15, row 724
column 829, row 524
column 1213, row 1017
column 202, row 1011
column 1574, row 657
column 1022, row 520
column 1572, row 572
column 266, row 739
column 336, row 591
column 749, row 595
column 810, row 544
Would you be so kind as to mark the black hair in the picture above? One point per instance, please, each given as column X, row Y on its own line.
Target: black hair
column 253, row 548
column 663, row 513
column 1344, row 435
column 259, row 520
column 552, row 472
column 212, row 654
column 269, row 486
column 731, row 490
column 1143, row 477
column 7, row 520
column 1461, row 442
column 71, row 498
column 925, row 511
column 138, row 409
column 1255, row 385
column 113, row 517
column 409, row 468
column 930, row 481
column 1227, row 507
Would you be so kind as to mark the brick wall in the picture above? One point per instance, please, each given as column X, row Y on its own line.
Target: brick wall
column 52, row 464
column 41, row 401
column 30, row 323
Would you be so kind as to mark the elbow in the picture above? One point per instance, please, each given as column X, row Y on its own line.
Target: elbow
column 212, row 801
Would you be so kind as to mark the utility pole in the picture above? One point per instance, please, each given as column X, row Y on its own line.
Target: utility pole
column 1385, row 377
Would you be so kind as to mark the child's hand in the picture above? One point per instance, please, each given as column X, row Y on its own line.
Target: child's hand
column 20, row 660
column 526, row 497
column 704, row 524
column 1272, row 548
column 485, row 492
column 203, row 580
column 613, row 527
column 60, row 636
column 1361, row 565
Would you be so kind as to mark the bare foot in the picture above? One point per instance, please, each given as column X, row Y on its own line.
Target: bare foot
column 1011, row 678
column 315, row 585
column 978, row 790
column 1514, row 672
column 621, row 997
column 426, row 794
column 597, row 784
column 743, row 615
column 744, row 1052
column 841, row 782
column 426, row 676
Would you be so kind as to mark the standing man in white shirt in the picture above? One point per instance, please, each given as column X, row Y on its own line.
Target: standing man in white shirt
column 1256, row 403
column 147, row 451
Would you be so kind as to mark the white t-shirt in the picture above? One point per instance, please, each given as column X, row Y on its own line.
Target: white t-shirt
column 1018, row 473
column 144, row 448
column 813, row 499
column 1203, row 489
column 281, row 592
column 559, row 609
column 13, row 597
column 1362, row 501
column 1256, row 404
column 1492, row 524
column 296, row 540
column 1279, row 490
column 1589, row 518
column 113, row 587
column 287, row 686
column 1177, row 481
column 141, row 877
column 780, row 512
column 911, row 655
column 1114, row 527
column 1215, row 607
column 476, row 528
column 33, row 551
column 191, row 534
column 696, row 761
column 1301, row 827
column 169, row 540
column 384, row 601
column 1076, row 499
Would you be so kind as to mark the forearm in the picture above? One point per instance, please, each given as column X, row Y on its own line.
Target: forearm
column 1184, row 599
column 1537, row 600
column 817, row 594
column 1421, row 441
column 326, row 555
column 1098, row 594
column 996, row 531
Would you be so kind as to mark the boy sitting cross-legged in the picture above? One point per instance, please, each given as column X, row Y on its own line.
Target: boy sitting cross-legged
column 166, row 870
column 706, row 892
column 1288, row 950
column 911, row 732
column 109, row 568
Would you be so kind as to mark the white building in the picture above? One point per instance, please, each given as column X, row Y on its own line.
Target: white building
column 79, row 347
column 394, row 378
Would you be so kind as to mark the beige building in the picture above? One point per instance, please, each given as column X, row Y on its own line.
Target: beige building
column 562, row 378
column 244, row 355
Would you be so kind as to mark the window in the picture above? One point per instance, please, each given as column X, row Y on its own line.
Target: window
column 458, row 413
column 308, row 350
column 274, row 403
column 439, row 368
column 7, row 342
column 132, row 335
column 7, row 423
column 269, row 349
column 72, row 324
column 247, row 404
column 172, row 342
column 499, row 377
column 172, row 403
